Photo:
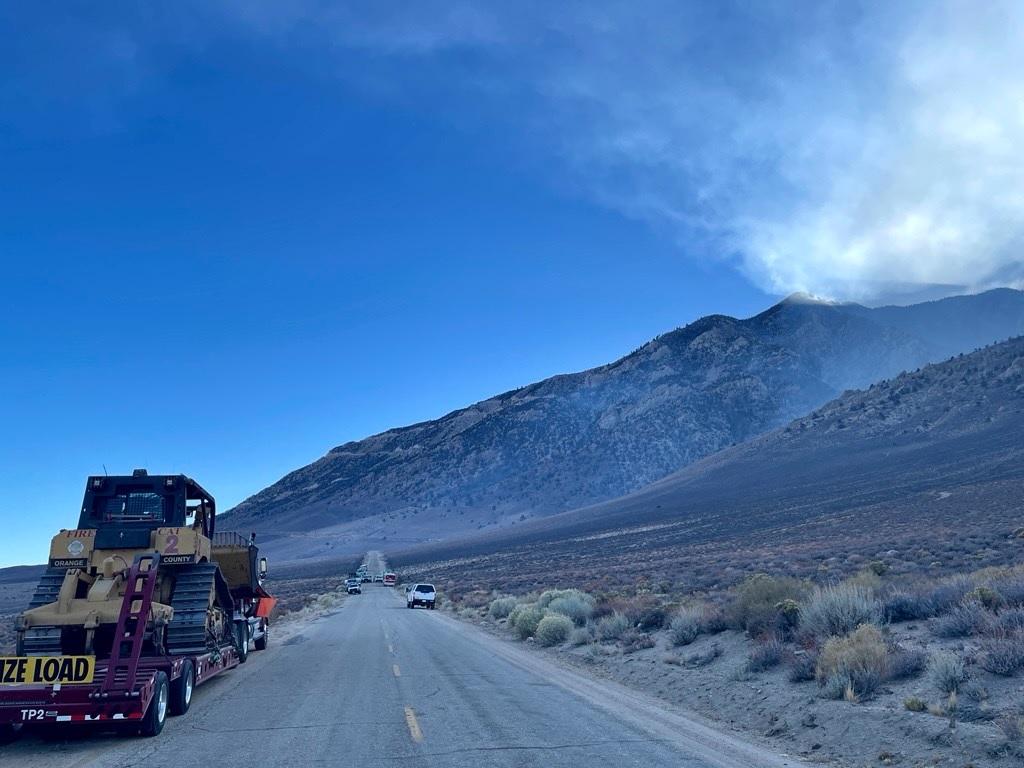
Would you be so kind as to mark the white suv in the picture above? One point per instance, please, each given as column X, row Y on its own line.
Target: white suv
column 420, row 594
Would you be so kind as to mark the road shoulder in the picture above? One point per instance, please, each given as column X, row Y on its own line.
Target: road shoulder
column 689, row 731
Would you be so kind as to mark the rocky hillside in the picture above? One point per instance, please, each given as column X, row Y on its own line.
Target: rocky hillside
column 926, row 467
column 577, row 439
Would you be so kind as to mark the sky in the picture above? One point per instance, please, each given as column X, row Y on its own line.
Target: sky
column 237, row 233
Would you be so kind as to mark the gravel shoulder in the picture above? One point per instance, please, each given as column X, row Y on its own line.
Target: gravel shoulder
column 706, row 682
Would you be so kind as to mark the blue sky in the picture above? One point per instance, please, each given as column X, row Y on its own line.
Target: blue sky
column 236, row 234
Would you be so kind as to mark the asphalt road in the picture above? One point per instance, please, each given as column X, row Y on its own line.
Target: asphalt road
column 374, row 684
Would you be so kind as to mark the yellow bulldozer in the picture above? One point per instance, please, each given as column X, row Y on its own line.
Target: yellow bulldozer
column 139, row 604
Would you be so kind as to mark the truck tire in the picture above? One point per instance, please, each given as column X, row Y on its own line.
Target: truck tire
column 242, row 640
column 430, row 605
column 181, row 689
column 155, row 717
column 261, row 641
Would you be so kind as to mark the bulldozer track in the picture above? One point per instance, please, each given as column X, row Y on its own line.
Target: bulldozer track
column 191, row 602
column 48, row 587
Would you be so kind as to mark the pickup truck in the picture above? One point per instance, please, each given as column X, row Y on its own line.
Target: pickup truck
column 354, row 586
column 421, row 594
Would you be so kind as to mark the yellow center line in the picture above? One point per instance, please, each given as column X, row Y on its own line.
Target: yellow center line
column 396, row 670
column 414, row 726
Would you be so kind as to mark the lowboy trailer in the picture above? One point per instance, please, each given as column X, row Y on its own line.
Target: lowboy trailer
column 140, row 604
column 127, row 688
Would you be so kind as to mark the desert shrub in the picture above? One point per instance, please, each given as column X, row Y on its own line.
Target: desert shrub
column 866, row 578
column 877, row 567
column 986, row 596
column 714, row 619
column 767, row 654
column 517, row 609
column 802, row 666
column 653, row 617
column 702, row 658
column 686, row 626
column 908, row 605
column 973, row 705
column 861, row 657
column 635, row 640
column 581, row 636
column 553, row 629
column 633, row 608
column 837, row 687
column 1011, row 588
column 964, row 620
column 755, row 605
column 473, row 598
column 1002, row 655
column 915, row 704
column 1011, row 725
column 946, row 671
column 608, row 605
column 501, row 607
column 551, row 595
column 947, row 594
column 525, row 619
column 837, row 611
column 787, row 616
column 1009, row 621
column 612, row 627
column 906, row 663
column 576, row 608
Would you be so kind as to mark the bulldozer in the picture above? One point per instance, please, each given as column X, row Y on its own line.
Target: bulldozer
column 140, row 603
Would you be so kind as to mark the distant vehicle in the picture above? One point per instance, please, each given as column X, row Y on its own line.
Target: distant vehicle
column 421, row 594
column 365, row 579
column 378, row 577
column 390, row 579
column 354, row 586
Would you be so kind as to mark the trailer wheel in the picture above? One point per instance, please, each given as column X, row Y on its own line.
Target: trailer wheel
column 181, row 689
column 242, row 640
column 261, row 641
column 155, row 717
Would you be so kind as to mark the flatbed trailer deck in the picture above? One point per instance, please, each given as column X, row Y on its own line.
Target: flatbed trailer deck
column 61, row 704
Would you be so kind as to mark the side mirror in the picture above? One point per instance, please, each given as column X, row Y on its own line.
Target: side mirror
column 263, row 568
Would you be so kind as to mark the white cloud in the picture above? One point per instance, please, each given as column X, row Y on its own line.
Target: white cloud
column 841, row 149
column 833, row 149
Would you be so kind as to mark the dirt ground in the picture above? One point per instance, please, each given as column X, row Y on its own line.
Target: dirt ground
column 793, row 718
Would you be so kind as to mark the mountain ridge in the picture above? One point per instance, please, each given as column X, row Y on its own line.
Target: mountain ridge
column 580, row 438
column 911, row 464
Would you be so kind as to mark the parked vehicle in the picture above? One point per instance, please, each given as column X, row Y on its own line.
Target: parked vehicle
column 421, row 594
column 354, row 586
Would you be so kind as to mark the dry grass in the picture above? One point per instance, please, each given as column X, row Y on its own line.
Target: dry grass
column 858, row 662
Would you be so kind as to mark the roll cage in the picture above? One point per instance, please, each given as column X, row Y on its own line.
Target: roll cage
column 143, row 502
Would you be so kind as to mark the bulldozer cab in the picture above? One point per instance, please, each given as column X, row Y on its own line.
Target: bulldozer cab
column 124, row 511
